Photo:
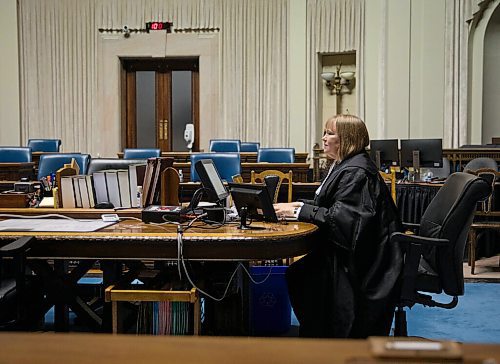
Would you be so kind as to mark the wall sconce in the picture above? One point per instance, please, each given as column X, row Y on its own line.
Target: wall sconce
column 338, row 82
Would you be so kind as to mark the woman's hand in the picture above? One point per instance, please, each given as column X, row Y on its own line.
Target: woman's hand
column 286, row 209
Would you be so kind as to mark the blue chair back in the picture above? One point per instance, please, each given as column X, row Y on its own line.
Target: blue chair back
column 227, row 164
column 225, row 145
column 138, row 153
column 44, row 145
column 250, row 147
column 15, row 154
column 276, row 155
column 50, row 163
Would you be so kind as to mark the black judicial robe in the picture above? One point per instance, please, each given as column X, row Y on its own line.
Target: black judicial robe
column 347, row 286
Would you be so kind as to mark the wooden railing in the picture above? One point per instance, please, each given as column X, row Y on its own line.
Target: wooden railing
column 458, row 158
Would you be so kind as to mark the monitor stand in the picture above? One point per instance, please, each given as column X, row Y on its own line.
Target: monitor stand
column 377, row 159
column 416, row 165
column 243, row 221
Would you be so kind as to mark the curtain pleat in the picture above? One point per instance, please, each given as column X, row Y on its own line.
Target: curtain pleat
column 253, row 71
column 455, row 122
column 333, row 26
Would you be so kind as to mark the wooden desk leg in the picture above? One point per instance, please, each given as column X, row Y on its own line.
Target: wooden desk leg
column 197, row 317
column 472, row 251
column 61, row 309
column 114, row 313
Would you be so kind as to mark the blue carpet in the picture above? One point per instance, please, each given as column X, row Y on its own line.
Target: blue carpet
column 475, row 319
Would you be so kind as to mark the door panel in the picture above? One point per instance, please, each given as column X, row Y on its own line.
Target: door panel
column 163, row 110
column 150, row 119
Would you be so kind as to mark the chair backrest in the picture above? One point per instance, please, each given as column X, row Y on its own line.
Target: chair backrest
column 44, row 145
column 50, row 163
column 227, row 164
column 281, row 176
column 276, row 155
column 15, row 154
column 99, row 164
column 225, row 145
column 250, row 147
column 482, row 162
column 138, row 153
column 449, row 216
column 390, row 177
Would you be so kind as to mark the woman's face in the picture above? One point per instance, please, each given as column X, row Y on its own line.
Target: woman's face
column 331, row 141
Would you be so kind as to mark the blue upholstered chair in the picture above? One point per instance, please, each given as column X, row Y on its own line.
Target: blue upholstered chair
column 139, row 153
column 250, row 147
column 50, row 163
column 276, row 155
column 15, row 154
column 44, row 145
column 225, row 145
column 227, row 164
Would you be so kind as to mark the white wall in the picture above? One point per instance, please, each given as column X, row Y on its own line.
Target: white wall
column 10, row 133
column 477, row 76
column 491, row 83
column 404, row 61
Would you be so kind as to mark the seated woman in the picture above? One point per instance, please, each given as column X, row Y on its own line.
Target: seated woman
column 347, row 286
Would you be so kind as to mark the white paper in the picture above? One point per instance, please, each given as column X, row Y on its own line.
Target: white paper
column 53, row 225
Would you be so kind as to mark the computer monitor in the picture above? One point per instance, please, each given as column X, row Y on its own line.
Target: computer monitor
column 418, row 153
column 252, row 201
column 384, row 152
column 210, row 179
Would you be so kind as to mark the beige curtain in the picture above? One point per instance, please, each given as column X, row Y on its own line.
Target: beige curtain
column 58, row 75
column 332, row 26
column 455, row 73
column 57, row 63
column 253, row 71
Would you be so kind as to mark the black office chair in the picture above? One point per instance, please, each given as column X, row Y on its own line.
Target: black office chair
column 20, row 291
column 434, row 255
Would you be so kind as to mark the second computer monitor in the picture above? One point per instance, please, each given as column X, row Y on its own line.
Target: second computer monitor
column 430, row 153
column 384, row 152
column 254, row 199
column 211, row 180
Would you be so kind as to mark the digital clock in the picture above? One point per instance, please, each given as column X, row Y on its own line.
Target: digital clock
column 158, row 25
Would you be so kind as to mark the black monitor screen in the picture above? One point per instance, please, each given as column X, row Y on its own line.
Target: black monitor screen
column 430, row 152
column 389, row 152
column 255, row 198
column 210, row 179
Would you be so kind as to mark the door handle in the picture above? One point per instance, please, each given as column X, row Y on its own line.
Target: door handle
column 160, row 129
column 165, row 129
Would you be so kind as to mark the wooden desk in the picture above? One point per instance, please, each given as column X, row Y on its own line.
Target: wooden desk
column 133, row 241
column 16, row 171
column 245, row 157
column 27, row 348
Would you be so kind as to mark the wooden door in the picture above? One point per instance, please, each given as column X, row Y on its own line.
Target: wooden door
column 163, row 92
column 161, row 129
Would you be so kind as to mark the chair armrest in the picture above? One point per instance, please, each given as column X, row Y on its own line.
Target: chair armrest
column 17, row 246
column 419, row 240
column 410, row 225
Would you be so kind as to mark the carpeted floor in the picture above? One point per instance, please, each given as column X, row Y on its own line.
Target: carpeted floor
column 475, row 319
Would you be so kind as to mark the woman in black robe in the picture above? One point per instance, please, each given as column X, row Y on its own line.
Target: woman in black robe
column 347, row 286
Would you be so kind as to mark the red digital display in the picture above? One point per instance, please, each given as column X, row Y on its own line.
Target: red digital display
column 158, row 25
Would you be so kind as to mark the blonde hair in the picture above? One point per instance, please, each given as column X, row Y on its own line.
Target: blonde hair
column 352, row 132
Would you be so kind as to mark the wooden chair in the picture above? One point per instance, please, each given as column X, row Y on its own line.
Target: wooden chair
column 392, row 178
column 259, row 178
